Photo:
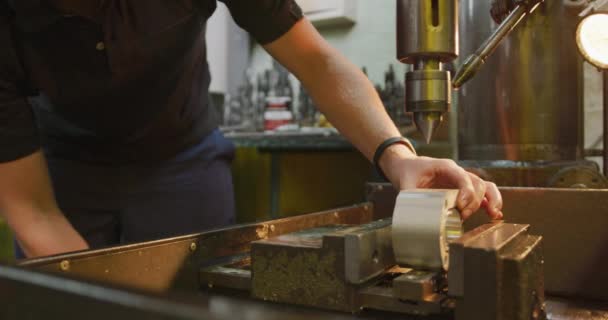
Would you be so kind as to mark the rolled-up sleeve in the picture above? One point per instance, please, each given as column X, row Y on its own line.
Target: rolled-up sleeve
column 265, row 20
column 18, row 131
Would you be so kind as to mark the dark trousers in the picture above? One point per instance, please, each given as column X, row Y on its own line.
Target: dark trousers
column 111, row 205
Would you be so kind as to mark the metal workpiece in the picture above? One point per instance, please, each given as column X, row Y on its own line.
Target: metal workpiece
column 424, row 221
column 427, row 29
column 526, row 103
column 475, row 61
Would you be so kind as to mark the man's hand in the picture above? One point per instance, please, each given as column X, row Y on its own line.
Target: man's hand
column 408, row 171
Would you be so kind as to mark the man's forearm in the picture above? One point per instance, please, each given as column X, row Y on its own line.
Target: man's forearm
column 339, row 88
column 44, row 233
column 354, row 107
column 28, row 205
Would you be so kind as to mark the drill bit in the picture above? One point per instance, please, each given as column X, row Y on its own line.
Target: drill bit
column 427, row 123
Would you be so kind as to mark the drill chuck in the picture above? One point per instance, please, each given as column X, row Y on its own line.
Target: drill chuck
column 428, row 96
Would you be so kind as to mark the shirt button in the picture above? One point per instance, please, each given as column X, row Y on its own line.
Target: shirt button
column 100, row 46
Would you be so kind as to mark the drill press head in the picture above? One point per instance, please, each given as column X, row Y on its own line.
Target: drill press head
column 427, row 37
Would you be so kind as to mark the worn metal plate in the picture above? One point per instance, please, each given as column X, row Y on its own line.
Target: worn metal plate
column 174, row 264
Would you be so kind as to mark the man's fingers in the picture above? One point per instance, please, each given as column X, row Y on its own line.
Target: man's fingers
column 479, row 187
column 494, row 204
column 460, row 179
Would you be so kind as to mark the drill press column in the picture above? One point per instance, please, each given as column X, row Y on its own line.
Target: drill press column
column 427, row 37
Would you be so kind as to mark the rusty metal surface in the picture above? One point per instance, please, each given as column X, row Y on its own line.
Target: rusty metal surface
column 573, row 225
column 174, row 264
column 287, row 272
column 343, row 269
column 321, row 266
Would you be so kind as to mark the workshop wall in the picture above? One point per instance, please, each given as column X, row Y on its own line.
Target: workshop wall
column 370, row 42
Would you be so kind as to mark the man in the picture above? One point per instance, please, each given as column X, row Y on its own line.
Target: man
column 111, row 95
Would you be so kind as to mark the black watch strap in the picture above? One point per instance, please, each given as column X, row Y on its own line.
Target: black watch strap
column 383, row 146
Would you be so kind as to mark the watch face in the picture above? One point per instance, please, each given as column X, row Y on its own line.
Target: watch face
column 592, row 39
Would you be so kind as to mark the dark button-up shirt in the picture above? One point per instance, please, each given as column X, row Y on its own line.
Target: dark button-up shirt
column 127, row 84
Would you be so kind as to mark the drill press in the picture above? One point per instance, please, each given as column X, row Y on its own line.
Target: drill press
column 427, row 38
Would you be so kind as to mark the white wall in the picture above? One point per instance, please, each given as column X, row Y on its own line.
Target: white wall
column 227, row 52
column 370, row 42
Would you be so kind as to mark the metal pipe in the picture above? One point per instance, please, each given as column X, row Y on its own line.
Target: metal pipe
column 474, row 62
column 605, row 130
